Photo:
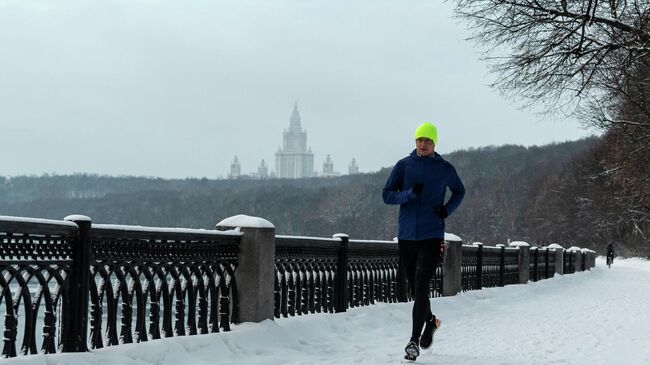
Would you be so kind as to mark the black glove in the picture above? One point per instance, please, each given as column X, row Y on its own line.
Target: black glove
column 442, row 212
column 417, row 188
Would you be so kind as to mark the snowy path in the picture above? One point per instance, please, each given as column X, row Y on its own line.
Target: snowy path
column 596, row 317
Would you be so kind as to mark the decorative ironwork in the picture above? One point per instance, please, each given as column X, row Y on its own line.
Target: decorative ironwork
column 155, row 282
column 35, row 259
column 373, row 272
column 308, row 281
column 469, row 268
column 305, row 275
column 534, row 265
column 492, row 270
column 150, row 285
column 510, row 266
column 569, row 262
column 549, row 258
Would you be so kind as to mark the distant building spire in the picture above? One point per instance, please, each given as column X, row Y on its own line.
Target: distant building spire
column 294, row 124
column 328, row 166
column 353, row 168
column 263, row 171
column 235, row 168
column 294, row 159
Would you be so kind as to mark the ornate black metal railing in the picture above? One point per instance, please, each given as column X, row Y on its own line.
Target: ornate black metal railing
column 330, row 275
column 134, row 284
column 542, row 264
column 35, row 261
column 141, row 283
column 510, row 265
column 305, row 275
column 470, row 264
column 149, row 284
column 569, row 262
column 374, row 273
column 485, row 266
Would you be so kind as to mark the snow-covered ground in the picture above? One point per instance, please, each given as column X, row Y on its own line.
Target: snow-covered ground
column 596, row 317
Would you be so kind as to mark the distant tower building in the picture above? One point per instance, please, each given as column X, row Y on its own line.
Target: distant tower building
column 294, row 160
column 328, row 166
column 235, row 169
column 353, row 168
column 263, row 171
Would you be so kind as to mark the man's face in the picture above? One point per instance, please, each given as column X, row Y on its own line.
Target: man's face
column 424, row 146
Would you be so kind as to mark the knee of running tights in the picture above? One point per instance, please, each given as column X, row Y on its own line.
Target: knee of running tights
column 423, row 273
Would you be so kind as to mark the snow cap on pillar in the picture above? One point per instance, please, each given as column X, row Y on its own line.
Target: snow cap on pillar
column 244, row 221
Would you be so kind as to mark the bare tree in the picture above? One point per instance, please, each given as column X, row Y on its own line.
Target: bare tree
column 580, row 56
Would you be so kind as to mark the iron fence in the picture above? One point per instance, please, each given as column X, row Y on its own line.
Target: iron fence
column 542, row 264
column 35, row 260
column 569, row 262
column 314, row 275
column 486, row 266
column 141, row 283
column 153, row 284
column 73, row 285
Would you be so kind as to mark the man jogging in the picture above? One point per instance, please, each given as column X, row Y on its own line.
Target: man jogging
column 418, row 183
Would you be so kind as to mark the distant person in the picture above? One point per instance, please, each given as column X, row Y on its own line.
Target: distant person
column 418, row 184
column 610, row 254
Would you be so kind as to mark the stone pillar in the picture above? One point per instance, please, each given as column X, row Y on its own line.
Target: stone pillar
column 256, row 269
column 558, row 251
column 451, row 265
column 592, row 260
column 524, row 260
column 578, row 256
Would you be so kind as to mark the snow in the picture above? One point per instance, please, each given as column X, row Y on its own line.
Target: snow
column 119, row 227
column 594, row 317
column 555, row 246
column 36, row 220
column 452, row 237
column 245, row 221
column 77, row 218
column 519, row 244
column 307, row 238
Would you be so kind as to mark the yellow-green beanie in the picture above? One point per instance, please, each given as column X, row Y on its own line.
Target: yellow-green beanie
column 427, row 130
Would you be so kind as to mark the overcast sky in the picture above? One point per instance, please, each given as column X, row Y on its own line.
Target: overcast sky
column 178, row 88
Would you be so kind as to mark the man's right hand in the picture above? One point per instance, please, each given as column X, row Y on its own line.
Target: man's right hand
column 417, row 188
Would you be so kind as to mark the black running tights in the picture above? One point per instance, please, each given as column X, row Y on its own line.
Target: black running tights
column 420, row 258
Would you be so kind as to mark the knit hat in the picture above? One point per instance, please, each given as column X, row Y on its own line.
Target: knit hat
column 427, row 130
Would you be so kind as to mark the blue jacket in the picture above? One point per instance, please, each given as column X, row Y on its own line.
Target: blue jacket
column 417, row 217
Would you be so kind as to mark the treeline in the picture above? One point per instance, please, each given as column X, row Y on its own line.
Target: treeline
column 560, row 193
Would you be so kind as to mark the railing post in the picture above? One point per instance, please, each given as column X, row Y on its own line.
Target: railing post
column 75, row 301
column 479, row 266
column 255, row 270
column 546, row 260
column 341, row 285
column 558, row 251
column 534, row 255
column 502, row 264
column 523, row 263
column 451, row 267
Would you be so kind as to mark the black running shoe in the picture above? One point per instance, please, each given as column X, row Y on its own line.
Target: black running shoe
column 427, row 336
column 412, row 351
